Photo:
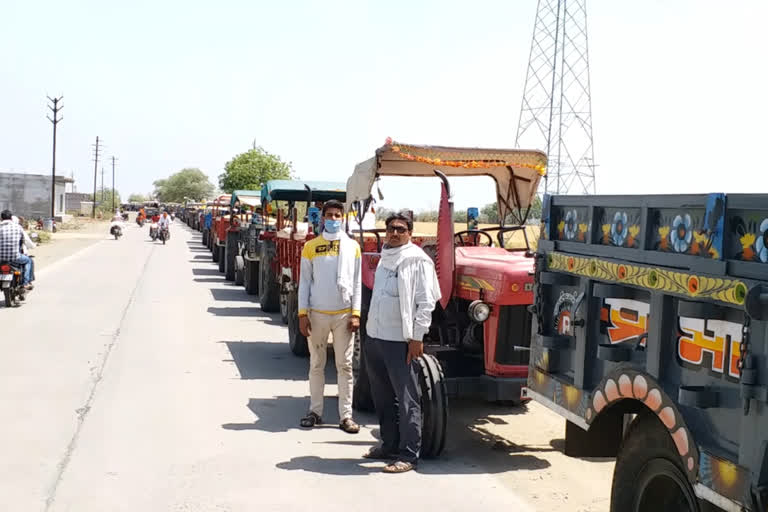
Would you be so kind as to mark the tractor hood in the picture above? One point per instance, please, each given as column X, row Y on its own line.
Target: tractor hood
column 516, row 172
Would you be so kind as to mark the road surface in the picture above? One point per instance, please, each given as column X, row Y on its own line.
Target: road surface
column 136, row 379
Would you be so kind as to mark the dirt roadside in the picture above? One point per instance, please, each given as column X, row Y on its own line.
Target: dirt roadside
column 69, row 239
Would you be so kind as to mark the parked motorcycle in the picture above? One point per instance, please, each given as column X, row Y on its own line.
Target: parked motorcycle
column 116, row 231
column 164, row 235
column 10, row 283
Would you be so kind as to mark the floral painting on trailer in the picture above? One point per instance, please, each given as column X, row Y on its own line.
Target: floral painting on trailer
column 573, row 224
column 620, row 227
column 685, row 232
column 749, row 236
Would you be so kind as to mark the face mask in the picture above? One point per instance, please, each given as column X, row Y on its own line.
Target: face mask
column 332, row 226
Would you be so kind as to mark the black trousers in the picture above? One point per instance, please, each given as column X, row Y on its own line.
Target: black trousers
column 396, row 396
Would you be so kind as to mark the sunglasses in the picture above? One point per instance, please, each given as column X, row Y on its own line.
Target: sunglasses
column 399, row 229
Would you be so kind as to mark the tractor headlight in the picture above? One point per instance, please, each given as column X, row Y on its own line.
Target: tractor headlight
column 479, row 311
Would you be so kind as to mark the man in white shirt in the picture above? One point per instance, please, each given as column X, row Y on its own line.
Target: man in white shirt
column 329, row 302
column 404, row 295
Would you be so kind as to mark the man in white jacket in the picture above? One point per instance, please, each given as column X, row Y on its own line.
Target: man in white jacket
column 404, row 295
column 329, row 302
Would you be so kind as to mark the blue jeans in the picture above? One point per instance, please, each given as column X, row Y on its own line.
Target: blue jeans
column 25, row 260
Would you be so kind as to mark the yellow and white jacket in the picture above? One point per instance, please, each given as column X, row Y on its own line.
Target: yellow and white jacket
column 318, row 284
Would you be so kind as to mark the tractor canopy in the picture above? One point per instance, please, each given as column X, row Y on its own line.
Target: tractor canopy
column 516, row 172
column 294, row 190
column 246, row 197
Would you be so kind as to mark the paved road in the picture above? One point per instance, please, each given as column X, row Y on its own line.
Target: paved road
column 137, row 379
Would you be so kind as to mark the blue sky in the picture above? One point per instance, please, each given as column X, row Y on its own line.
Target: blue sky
column 678, row 88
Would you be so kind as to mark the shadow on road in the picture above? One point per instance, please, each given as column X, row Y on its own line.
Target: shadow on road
column 273, row 361
column 209, row 280
column 340, row 467
column 255, row 312
column 278, row 414
column 199, row 257
column 235, row 293
column 207, row 272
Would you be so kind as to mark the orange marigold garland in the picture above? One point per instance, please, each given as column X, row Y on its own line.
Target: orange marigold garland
column 467, row 164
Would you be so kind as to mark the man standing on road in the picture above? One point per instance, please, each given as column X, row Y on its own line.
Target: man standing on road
column 329, row 302
column 11, row 240
column 404, row 296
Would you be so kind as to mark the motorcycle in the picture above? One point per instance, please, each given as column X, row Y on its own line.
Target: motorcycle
column 164, row 235
column 10, row 283
column 125, row 217
column 153, row 231
column 116, row 231
column 140, row 221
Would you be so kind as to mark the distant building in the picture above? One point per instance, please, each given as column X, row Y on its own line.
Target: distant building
column 75, row 200
column 29, row 195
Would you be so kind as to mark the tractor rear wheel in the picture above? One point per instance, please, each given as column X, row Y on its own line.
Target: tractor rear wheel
column 230, row 252
column 269, row 287
column 222, row 257
column 434, row 406
column 296, row 340
column 215, row 252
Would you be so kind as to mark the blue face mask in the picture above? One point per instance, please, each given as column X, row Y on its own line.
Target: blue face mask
column 332, row 226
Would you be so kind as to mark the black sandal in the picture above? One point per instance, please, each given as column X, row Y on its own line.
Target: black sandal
column 311, row 420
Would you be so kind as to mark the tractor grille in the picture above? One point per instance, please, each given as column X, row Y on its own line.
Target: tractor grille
column 514, row 331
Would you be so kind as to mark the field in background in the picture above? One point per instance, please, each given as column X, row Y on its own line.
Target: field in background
column 513, row 241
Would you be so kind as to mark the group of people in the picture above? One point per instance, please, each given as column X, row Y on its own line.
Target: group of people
column 404, row 295
column 15, row 245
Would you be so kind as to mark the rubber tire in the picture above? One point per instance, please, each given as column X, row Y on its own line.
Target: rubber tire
column 230, row 251
column 116, row 236
column 647, row 450
column 8, row 297
column 434, row 406
column 221, row 257
column 204, row 238
column 239, row 270
column 362, row 399
column 251, row 277
column 284, row 308
column 296, row 341
column 269, row 288
column 215, row 252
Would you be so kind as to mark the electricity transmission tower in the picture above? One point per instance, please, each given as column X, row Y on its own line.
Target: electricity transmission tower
column 556, row 113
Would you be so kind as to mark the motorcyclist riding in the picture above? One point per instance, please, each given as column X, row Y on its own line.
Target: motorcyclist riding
column 11, row 240
column 117, row 222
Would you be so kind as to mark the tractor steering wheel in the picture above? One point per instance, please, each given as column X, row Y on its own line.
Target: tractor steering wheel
column 473, row 236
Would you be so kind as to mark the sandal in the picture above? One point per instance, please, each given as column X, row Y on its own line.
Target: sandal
column 378, row 453
column 349, row 426
column 311, row 420
column 399, row 466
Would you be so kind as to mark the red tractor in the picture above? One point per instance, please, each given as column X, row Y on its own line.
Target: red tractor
column 479, row 341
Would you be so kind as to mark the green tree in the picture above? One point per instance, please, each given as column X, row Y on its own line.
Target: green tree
column 189, row 183
column 137, row 198
column 104, row 207
column 250, row 170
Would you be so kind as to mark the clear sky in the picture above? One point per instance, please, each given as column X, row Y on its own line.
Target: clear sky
column 679, row 88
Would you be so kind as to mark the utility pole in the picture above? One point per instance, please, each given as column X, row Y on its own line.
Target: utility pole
column 55, row 120
column 113, row 182
column 97, row 148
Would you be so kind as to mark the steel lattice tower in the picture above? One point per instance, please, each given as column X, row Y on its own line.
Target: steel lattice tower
column 556, row 113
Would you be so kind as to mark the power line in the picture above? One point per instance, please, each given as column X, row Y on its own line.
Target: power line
column 55, row 120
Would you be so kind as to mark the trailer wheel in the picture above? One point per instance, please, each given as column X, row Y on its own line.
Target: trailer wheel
column 251, row 277
column 284, row 308
column 648, row 473
column 239, row 270
column 221, row 258
column 434, row 406
column 230, row 251
column 269, row 288
column 296, row 340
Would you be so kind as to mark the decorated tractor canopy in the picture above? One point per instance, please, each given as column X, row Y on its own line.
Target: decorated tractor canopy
column 480, row 330
column 657, row 307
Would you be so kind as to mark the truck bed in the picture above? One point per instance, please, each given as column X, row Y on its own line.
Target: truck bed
column 660, row 304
